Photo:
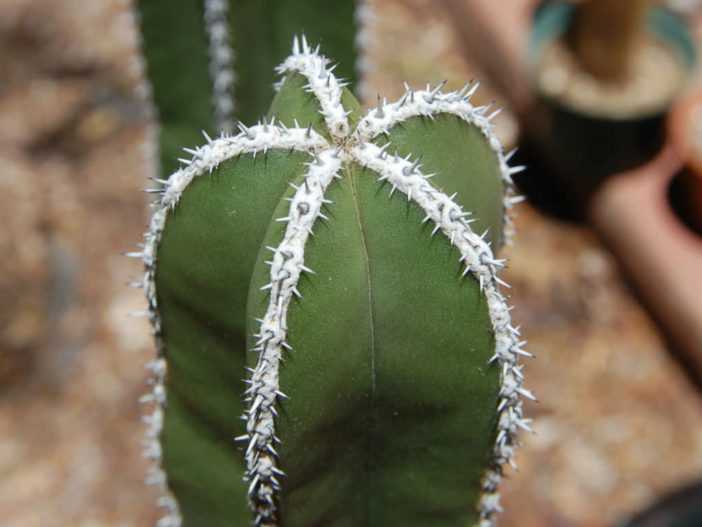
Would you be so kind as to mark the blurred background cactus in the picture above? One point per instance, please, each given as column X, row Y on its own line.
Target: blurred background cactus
column 191, row 47
column 400, row 401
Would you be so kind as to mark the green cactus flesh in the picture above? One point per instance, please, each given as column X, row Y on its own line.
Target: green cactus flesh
column 382, row 385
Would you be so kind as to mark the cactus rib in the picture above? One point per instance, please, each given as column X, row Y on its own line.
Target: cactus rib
column 321, row 82
column 288, row 264
column 203, row 161
column 221, row 63
column 431, row 102
column 152, row 446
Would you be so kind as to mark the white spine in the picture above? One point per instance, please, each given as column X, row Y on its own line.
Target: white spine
column 286, row 267
column 321, row 82
column 205, row 159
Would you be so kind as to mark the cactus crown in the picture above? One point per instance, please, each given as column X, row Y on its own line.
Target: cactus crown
column 331, row 164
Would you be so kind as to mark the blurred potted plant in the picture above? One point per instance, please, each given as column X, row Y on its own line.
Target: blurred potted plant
column 610, row 169
column 606, row 73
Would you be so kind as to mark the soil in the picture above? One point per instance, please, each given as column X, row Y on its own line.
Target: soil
column 618, row 424
column 654, row 77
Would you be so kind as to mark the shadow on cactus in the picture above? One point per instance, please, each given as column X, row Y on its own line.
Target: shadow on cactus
column 345, row 261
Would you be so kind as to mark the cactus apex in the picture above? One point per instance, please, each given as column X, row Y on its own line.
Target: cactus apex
column 221, row 55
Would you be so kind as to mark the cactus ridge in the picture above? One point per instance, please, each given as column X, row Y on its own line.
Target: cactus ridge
column 204, row 159
column 478, row 258
column 328, row 160
column 322, row 83
column 221, row 67
column 431, row 102
column 152, row 446
column 365, row 18
column 286, row 267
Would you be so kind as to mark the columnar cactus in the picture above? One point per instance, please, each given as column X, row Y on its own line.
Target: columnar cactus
column 210, row 62
column 352, row 256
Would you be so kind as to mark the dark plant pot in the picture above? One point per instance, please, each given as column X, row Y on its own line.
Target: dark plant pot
column 679, row 509
column 588, row 146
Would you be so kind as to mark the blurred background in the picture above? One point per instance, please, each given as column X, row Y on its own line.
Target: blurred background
column 619, row 422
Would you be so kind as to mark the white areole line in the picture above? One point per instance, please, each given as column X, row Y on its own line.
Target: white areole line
column 204, row 160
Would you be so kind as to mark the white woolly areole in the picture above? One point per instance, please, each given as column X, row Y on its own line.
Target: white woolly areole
column 221, row 67
column 286, row 266
column 321, row 82
column 205, row 159
column 287, row 263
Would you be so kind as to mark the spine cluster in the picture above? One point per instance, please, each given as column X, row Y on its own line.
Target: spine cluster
column 321, row 82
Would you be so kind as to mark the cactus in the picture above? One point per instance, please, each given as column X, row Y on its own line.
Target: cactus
column 380, row 385
column 210, row 62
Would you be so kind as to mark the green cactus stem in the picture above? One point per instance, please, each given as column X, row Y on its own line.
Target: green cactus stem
column 352, row 255
column 210, row 62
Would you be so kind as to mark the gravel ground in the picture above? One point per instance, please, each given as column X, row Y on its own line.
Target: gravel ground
column 618, row 423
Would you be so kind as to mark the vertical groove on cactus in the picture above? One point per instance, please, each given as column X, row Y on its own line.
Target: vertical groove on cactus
column 350, row 161
column 286, row 266
column 221, row 64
